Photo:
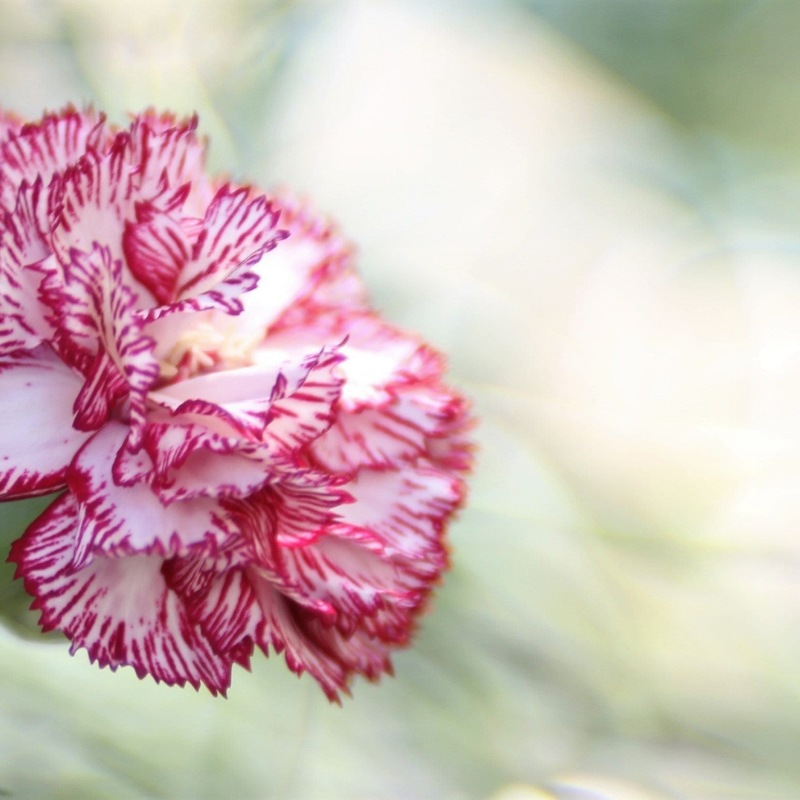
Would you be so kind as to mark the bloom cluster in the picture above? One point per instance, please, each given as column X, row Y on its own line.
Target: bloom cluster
column 246, row 454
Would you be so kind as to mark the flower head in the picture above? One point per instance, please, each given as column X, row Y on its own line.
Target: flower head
column 248, row 456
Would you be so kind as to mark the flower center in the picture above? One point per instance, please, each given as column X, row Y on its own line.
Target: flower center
column 209, row 347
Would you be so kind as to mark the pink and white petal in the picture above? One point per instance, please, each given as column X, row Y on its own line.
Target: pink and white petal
column 315, row 260
column 21, row 230
column 94, row 309
column 343, row 581
column 46, row 148
column 393, row 623
column 222, row 473
column 341, row 292
column 358, row 652
column 380, row 359
column 302, row 415
column 234, row 229
column 451, row 449
column 96, row 196
column 36, row 448
column 104, row 386
column 119, row 609
column 184, row 458
column 240, row 607
column 166, row 443
column 156, row 249
column 224, row 296
column 306, row 502
column 406, row 510
column 124, row 520
column 294, row 510
column 281, row 403
column 166, row 152
column 389, row 435
column 192, row 576
column 24, row 322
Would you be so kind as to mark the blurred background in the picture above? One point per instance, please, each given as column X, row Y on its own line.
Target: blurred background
column 594, row 208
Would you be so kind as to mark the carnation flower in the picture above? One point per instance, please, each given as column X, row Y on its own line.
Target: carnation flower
column 246, row 454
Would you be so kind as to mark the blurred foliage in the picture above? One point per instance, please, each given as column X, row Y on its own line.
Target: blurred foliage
column 724, row 65
column 616, row 284
column 14, row 602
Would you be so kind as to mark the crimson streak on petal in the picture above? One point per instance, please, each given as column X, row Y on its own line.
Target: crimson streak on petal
column 120, row 610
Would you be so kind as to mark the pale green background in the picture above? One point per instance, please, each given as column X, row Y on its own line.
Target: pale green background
column 593, row 207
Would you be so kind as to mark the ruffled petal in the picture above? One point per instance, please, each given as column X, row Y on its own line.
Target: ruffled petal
column 94, row 310
column 405, row 510
column 359, row 653
column 181, row 461
column 46, row 148
column 393, row 433
column 343, row 581
column 314, row 266
column 166, row 152
column 304, row 504
column 156, row 249
column 36, row 448
column 235, row 228
column 95, row 197
column 23, row 255
column 240, row 608
column 379, row 359
column 284, row 404
column 119, row 609
column 224, row 296
column 128, row 520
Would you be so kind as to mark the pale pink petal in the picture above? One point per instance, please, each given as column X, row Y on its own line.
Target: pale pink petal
column 180, row 461
column 94, row 199
column 94, row 309
column 166, row 151
column 36, row 448
column 239, row 608
column 281, row 403
column 396, row 432
column 23, row 255
column 119, row 609
column 156, row 249
column 379, row 359
column 234, row 229
column 406, row 510
column 315, row 265
column 125, row 520
column 46, row 148
column 343, row 581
